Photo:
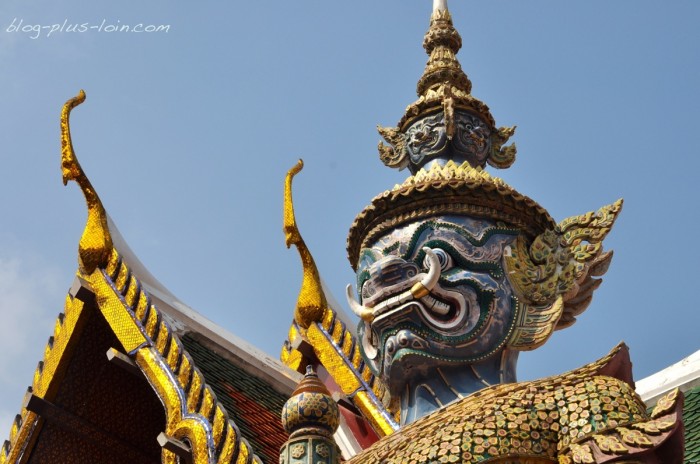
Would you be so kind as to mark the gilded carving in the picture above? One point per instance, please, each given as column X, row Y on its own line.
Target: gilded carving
column 191, row 410
column 96, row 242
column 394, row 155
column 311, row 304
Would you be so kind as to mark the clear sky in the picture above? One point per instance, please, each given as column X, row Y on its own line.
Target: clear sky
column 187, row 135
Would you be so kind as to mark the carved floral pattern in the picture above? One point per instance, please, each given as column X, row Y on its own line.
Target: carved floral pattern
column 297, row 451
column 323, row 450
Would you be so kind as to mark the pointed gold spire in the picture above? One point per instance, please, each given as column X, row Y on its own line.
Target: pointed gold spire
column 443, row 85
column 442, row 42
column 455, row 125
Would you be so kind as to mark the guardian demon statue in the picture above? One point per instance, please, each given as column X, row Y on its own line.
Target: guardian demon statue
column 456, row 273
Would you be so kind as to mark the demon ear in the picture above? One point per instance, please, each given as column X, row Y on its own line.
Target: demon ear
column 395, row 154
column 502, row 157
column 535, row 324
column 554, row 275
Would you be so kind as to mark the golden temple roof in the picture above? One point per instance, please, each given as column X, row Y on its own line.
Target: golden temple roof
column 123, row 376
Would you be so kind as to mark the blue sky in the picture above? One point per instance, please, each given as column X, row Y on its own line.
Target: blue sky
column 187, row 135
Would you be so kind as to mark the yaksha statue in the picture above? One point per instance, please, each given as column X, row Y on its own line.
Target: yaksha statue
column 457, row 273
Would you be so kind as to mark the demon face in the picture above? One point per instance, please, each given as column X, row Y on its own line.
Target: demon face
column 434, row 293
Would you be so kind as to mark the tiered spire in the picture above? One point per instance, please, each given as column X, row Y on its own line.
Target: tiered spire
column 442, row 42
column 446, row 122
column 445, row 139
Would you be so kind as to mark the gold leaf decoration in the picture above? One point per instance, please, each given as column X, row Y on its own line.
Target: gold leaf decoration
column 666, row 404
column 534, row 325
column 581, row 454
column 395, row 155
column 655, row 427
column 634, row 437
column 610, row 444
column 502, row 157
column 311, row 303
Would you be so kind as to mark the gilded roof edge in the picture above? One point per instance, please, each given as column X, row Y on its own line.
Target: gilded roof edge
column 174, row 376
column 192, row 410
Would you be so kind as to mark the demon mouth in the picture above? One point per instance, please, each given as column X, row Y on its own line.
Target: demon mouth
column 418, row 291
column 444, row 310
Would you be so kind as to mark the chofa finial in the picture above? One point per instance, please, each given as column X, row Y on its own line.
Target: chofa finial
column 312, row 303
column 96, row 241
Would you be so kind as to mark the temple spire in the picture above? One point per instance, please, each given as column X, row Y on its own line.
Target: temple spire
column 446, row 123
column 442, row 42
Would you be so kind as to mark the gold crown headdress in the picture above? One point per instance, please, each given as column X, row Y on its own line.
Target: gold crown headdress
column 461, row 136
column 445, row 139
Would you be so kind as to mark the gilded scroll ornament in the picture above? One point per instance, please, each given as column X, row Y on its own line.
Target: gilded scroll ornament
column 563, row 262
column 394, row 155
column 502, row 156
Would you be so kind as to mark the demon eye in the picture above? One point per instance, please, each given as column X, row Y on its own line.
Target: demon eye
column 444, row 258
column 364, row 290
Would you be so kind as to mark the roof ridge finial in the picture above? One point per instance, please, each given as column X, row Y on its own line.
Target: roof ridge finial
column 96, row 242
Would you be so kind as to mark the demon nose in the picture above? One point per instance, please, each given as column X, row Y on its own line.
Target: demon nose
column 388, row 275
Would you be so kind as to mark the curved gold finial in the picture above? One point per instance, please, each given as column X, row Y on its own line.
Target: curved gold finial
column 311, row 304
column 96, row 241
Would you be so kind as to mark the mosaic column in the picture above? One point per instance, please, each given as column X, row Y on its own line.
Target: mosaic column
column 311, row 418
